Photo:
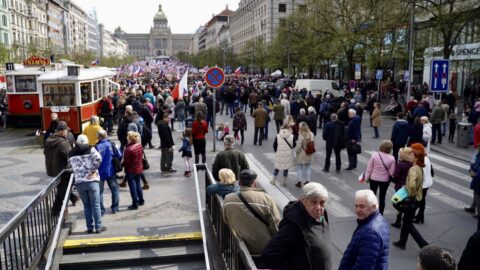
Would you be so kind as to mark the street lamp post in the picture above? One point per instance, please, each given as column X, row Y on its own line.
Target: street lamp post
column 410, row 52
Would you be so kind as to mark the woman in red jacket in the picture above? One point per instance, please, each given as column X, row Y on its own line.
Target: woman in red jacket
column 199, row 129
column 133, row 163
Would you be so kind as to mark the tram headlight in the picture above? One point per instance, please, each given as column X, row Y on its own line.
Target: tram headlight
column 27, row 104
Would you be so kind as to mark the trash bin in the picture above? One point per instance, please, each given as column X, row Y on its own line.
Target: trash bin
column 463, row 134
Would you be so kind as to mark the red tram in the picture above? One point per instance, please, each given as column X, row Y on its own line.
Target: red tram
column 22, row 95
column 74, row 93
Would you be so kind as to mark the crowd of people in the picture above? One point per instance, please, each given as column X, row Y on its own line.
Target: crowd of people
column 299, row 240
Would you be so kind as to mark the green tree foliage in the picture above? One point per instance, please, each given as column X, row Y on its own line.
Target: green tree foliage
column 448, row 17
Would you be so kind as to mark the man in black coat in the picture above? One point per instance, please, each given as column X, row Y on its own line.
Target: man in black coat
column 334, row 137
column 303, row 238
column 166, row 145
column 399, row 134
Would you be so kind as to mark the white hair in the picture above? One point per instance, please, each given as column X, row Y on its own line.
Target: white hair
column 368, row 195
column 302, row 111
column 311, row 110
column 352, row 112
column 315, row 190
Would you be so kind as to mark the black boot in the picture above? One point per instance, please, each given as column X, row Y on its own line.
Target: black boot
column 398, row 222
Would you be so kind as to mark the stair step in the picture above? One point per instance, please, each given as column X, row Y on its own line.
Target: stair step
column 172, row 255
column 89, row 245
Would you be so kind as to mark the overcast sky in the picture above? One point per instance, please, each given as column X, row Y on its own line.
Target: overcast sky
column 136, row 16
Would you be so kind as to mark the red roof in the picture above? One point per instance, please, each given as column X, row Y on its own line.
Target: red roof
column 225, row 13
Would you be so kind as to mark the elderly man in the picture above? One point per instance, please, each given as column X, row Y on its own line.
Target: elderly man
column 303, row 239
column 91, row 131
column 354, row 133
column 229, row 158
column 56, row 152
column 260, row 116
column 251, row 214
column 368, row 248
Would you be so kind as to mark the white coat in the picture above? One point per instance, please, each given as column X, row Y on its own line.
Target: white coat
column 427, row 174
column 427, row 135
column 284, row 154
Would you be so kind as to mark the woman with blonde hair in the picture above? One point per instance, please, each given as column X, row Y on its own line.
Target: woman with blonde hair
column 414, row 186
column 304, row 160
column 290, row 122
column 133, row 163
column 228, row 183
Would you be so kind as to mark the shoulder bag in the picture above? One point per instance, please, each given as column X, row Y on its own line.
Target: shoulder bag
column 288, row 143
column 251, row 209
column 145, row 163
column 390, row 178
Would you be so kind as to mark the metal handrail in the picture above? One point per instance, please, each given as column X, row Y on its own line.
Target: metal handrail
column 234, row 251
column 24, row 239
column 202, row 225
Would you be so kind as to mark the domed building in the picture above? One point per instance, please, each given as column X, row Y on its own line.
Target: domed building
column 160, row 42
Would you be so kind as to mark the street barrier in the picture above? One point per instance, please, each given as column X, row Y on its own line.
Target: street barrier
column 26, row 237
column 234, row 251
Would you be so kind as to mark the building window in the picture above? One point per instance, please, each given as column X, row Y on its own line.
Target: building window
column 5, row 38
column 4, row 20
column 282, row 7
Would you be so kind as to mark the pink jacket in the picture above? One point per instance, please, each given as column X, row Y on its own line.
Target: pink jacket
column 375, row 169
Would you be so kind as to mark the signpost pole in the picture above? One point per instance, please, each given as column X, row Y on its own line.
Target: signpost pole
column 213, row 116
column 378, row 90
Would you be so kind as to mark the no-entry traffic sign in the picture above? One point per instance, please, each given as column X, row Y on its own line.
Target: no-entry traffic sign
column 215, row 77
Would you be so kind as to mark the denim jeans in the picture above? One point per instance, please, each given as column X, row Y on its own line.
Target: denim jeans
column 90, row 195
column 304, row 172
column 113, row 186
column 375, row 129
column 181, row 125
column 136, row 191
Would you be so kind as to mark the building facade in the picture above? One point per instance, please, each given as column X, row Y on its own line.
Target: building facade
column 55, row 26
column 111, row 44
column 5, row 33
column 76, row 29
column 28, row 21
column 93, row 33
column 209, row 37
column 160, row 41
column 259, row 20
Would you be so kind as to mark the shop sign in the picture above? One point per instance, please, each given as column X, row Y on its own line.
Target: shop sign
column 36, row 61
column 459, row 52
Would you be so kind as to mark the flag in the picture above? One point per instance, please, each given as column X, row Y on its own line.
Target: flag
column 95, row 62
column 361, row 178
column 182, row 87
column 238, row 71
column 204, row 69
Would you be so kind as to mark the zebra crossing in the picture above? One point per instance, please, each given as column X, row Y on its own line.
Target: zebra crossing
column 450, row 190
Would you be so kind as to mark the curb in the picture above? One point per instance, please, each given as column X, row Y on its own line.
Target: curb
column 448, row 153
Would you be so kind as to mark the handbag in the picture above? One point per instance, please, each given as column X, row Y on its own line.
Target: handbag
column 145, row 163
column 116, row 161
column 390, row 178
column 354, row 148
column 400, row 195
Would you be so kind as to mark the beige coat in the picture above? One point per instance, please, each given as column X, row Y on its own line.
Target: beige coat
column 302, row 157
column 249, row 228
column 376, row 118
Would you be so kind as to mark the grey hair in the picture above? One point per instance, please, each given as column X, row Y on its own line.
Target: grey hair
column 333, row 117
column 311, row 110
column 368, row 195
column 315, row 190
column 352, row 111
column 94, row 119
column 302, row 111
column 102, row 134
column 54, row 116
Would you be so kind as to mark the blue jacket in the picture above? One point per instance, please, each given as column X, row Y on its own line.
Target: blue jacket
column 104, row 147
column 400, row 132
column 222, row 189
column 354, row 128
column 368, row 248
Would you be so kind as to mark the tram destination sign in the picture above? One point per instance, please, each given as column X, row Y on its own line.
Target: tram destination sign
column 36, row 61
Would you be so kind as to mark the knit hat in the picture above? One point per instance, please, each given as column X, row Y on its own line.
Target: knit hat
column 62, row 125
column 246, row 177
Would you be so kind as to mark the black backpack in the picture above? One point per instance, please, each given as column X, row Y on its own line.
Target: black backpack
column 105, row 109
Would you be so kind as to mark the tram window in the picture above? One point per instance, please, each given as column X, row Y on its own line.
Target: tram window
column 58, row 95
column 26, row 84
column 10, row 84
column 95, row 90
column 86, row 92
